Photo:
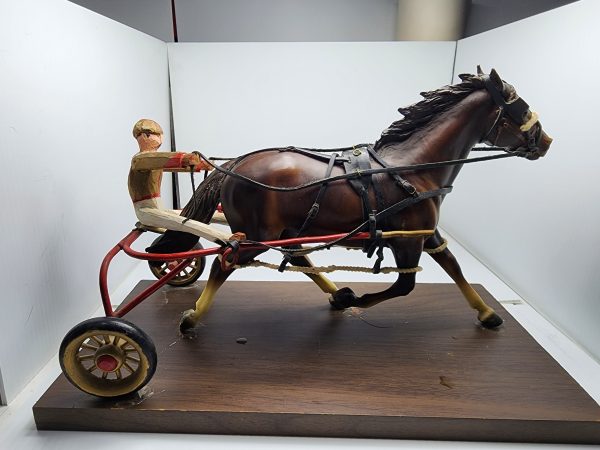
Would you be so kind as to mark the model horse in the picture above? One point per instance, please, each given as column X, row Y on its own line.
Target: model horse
column 444, row 126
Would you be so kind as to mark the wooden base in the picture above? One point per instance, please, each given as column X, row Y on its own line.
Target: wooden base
column 418, row 367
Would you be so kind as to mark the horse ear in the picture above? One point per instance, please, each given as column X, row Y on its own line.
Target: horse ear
column 496, row 79
column 479, row 71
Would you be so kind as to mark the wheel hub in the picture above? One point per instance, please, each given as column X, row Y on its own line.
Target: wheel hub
column 107, row 363
column 109, row 358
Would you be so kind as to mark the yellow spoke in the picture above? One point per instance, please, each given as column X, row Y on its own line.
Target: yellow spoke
column 89, row 347
column 98, row 341
column 92, row 368
column 128, row 367
column 84, row 357
column 137, row 360
column 118, row 374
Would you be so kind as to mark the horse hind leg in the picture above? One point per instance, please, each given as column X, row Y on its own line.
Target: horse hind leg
column 406, row 255
column 486, row 315
column 324, row 283
column 190, row 318
column 217, row 277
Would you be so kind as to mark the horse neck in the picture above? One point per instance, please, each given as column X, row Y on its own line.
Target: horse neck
column 447, row 137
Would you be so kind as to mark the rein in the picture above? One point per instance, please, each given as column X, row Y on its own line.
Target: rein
column 393, row 209
column 346, row 176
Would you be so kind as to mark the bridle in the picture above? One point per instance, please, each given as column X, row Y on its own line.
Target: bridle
column 518, row 111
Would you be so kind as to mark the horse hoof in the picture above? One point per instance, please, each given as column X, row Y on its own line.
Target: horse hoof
column 342, row 298
column 187, row 322
column 494, row 321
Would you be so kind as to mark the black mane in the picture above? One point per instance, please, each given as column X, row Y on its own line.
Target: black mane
column 434, row 103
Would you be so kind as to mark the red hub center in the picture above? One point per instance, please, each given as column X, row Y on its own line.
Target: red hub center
column 107, row 363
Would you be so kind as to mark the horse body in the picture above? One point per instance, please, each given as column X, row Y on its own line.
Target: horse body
column 281, row 214
column 443, row 127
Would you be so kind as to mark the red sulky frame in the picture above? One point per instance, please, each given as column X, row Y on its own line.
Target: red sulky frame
column 187, row 257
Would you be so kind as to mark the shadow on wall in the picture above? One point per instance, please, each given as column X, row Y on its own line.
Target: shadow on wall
column 487, row 14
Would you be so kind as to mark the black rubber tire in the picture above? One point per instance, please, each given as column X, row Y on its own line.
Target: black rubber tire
column 159, row 269
column 127, row 338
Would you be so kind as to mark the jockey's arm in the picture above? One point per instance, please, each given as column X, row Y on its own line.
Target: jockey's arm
column 168, row 161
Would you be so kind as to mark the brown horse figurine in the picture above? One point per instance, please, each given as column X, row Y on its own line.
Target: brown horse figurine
column 442, row 127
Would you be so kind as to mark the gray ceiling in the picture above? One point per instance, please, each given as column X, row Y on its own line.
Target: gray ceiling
column 295, row 20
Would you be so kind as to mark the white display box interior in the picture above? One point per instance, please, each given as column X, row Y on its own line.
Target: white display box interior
column 73, row 83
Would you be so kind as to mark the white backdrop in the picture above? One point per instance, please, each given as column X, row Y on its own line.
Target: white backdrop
column 535, row 224
column 230, row 99
column 72, row 85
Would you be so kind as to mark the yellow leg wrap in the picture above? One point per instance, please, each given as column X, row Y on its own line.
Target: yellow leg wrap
column 323, row 282
column 475, row 301
column 439, row 249
column 203, row 303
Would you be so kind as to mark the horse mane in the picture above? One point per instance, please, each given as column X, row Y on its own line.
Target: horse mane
column 434, row 103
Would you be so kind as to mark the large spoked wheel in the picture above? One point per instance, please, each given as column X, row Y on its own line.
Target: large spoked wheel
column 185, row 277
column 107, row 357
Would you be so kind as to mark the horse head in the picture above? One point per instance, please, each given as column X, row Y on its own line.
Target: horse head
column 516, row 127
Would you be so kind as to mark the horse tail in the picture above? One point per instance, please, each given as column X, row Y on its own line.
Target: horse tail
column 207, row 196
column 201, row 207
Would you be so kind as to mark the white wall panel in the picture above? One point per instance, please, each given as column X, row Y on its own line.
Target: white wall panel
column 535, row 224
column 72, row 84
column 230, row 99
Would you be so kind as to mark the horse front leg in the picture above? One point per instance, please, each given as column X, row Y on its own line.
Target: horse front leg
column 407, row 254
column 438, row 250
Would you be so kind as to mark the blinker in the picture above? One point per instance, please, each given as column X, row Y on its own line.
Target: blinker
column 516, row 110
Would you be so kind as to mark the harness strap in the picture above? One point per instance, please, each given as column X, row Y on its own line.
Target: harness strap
column 396, row 207
column 358, row 163
column 314, row 209
column 409, row 188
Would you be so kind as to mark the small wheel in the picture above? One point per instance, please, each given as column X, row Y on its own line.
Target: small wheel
column 184, row 278
column 107, row 357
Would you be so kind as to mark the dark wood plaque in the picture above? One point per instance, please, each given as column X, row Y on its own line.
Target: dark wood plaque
column 418, row 367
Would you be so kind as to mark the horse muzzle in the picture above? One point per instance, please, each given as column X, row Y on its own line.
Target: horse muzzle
column 540, row 148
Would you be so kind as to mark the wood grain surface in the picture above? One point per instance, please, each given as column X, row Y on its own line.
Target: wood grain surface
column 418, row 367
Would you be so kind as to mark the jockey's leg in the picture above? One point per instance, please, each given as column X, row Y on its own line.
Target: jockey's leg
column 172, row 221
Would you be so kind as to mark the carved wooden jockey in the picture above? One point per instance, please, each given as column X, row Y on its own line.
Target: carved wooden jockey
column 145, row 178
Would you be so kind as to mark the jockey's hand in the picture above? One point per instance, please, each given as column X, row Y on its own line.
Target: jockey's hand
column 190, row 159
